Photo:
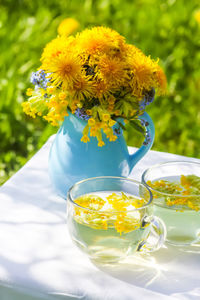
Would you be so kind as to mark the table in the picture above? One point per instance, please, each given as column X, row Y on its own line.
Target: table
column 39, row 261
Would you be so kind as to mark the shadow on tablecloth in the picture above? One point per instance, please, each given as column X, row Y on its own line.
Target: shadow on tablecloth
column 170, row 271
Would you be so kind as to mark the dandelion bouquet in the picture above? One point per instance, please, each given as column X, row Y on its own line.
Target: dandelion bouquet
column 96, row 76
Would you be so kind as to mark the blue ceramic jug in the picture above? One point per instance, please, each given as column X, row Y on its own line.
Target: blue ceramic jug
column 71, row 160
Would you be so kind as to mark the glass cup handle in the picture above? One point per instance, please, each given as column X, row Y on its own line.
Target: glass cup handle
column 155, row 238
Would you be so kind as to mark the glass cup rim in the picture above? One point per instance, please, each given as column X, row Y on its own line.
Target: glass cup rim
column 163, row 164
column 109, row 177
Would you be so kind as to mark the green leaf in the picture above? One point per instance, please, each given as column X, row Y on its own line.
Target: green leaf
column 137, row 126
column 121, row 125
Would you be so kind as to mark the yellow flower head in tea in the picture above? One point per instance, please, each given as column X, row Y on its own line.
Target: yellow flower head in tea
column 183, row 193
column 94, row 75
column 118, row 211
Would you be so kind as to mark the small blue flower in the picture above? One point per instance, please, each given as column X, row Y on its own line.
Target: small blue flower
column 39, row 79
column 142, row 104
column 81, row 114
column 148, row 98
column 147, row 139
column 147, row 133
column 144, row 123
column 117, row 131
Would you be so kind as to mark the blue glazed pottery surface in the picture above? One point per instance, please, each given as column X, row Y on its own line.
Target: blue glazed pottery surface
column 71, row 160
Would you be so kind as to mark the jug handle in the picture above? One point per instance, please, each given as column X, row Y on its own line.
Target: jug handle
column 148, row 142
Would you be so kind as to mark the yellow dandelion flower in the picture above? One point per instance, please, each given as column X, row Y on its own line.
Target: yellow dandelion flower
column 131, row 50
column 142, row 68
column 101, row 89
column 55, row 48
column 110, row 34
column 68, row 26
column 161, row 80
column 64, row 69
column 143, row 74
column 118, row 41
column 92, row 44
column 100, row 39
column 82, row 88
column 112, row 70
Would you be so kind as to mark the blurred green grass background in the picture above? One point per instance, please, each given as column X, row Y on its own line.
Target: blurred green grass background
column 169, row 30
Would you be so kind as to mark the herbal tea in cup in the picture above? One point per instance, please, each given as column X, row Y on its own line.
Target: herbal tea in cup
column 176, row 194
column 112, row 217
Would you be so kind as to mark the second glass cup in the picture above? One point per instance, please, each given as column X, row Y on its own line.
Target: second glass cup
column 112, row 217
column 176, row 191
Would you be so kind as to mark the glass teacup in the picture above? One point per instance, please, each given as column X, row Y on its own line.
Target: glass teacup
column 112, row 217
column 176, row 194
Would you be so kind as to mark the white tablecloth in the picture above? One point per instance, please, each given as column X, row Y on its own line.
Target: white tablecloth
column 39, row 261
